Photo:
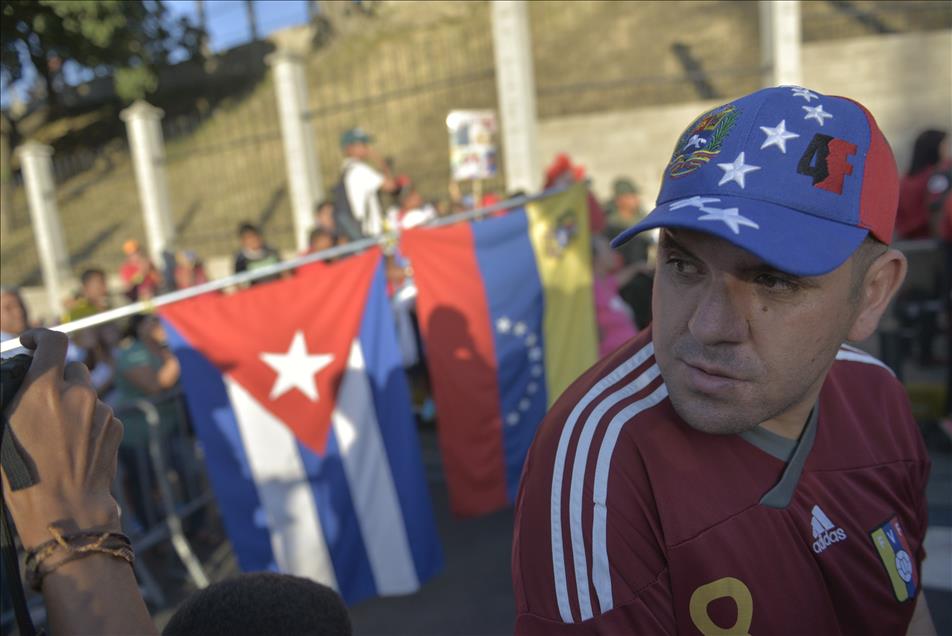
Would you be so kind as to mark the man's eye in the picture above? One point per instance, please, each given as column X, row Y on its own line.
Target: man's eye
column 776, row 283
column 681, row 266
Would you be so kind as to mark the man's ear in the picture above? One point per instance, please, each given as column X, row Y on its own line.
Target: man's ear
column 883, row 279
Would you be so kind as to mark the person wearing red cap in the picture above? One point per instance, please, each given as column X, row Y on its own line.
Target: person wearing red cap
column 140, row 278
column 562, row 172
column 736, row 467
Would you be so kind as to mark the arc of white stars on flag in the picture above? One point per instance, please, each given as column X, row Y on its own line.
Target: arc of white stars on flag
column 534, row 353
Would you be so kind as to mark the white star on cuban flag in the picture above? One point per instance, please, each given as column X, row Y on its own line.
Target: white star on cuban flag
column 296, row 368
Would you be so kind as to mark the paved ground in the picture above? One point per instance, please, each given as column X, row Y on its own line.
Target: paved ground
column 473, row 595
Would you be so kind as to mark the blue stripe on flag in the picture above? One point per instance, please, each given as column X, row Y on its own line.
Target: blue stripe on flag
column 355, row 579
column 388, row 383
column 228, row 466
column 516, row 306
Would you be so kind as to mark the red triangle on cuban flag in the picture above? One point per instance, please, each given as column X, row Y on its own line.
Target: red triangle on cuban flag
column 286, row 342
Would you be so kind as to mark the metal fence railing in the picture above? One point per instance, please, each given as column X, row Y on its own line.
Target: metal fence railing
column 17, row 245
column 98, row 208
column 171, row 467
column 167, row 481
column 98, row 204
column 226, row 169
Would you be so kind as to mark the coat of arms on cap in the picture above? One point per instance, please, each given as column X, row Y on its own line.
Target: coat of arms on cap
column 702, row 140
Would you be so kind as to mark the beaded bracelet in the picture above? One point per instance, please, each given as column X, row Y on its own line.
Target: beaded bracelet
column 63, row 548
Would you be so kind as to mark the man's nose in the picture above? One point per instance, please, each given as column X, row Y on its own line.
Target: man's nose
column 721, row 312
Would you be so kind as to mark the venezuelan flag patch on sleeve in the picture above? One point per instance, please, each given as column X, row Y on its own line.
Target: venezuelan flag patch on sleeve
column 893, row 549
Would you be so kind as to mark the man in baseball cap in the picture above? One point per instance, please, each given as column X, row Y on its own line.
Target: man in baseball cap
column 364, row 175
column 738, row 468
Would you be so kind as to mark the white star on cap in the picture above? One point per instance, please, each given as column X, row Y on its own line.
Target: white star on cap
column 778, row 136
column 817, row 113
column 731, row 218
column 735, row 171
column 296, row 368
column 804, row 93
column 695, row 201
column 503, row 325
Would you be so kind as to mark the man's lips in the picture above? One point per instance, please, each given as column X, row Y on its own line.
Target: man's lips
column 712, row 370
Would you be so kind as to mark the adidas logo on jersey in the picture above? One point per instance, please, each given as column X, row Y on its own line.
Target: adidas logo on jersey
column 824, row 532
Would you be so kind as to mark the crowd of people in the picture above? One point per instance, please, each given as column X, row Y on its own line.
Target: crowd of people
column 370, row 198
column 124, row 364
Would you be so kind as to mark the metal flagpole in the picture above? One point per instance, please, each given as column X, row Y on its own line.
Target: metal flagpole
column 148, row 306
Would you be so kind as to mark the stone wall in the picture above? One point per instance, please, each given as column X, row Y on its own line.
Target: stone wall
column 905, row 80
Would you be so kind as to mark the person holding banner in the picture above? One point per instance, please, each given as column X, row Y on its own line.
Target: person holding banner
column 737, row 468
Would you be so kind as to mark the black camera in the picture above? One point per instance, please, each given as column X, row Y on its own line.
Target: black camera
column 12, row 373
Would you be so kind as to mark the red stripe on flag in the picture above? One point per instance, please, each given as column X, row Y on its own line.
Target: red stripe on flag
column 456, row 326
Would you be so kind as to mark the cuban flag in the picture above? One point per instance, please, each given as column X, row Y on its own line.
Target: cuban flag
column 297, row 393
column 507, row 317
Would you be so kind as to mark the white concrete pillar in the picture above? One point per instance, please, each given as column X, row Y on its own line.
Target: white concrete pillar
column 36, row 160
column 143, row 123
column 300, row 151
column 780, row 42
column 515, row 89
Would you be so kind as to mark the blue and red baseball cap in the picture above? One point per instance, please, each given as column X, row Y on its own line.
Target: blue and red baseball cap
column 793, row 176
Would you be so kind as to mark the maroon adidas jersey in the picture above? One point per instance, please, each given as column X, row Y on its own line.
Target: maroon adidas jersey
column 629, row 521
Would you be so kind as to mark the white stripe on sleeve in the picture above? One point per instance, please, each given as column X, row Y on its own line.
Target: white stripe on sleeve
column 852, row 354
column 558, row 471
column 579, row 465
column 601, row 570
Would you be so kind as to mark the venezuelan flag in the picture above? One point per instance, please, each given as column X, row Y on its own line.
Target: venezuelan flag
column 508, row 322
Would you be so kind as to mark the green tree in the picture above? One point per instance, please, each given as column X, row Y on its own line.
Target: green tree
column 130, row 39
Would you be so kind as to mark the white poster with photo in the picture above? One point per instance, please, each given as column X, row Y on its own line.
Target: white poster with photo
column 472, row 144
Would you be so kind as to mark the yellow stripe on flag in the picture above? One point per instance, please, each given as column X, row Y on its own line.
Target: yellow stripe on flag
column 888, row 555
column 558, row 228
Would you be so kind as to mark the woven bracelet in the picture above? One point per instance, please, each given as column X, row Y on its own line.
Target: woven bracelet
column 64, row 548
